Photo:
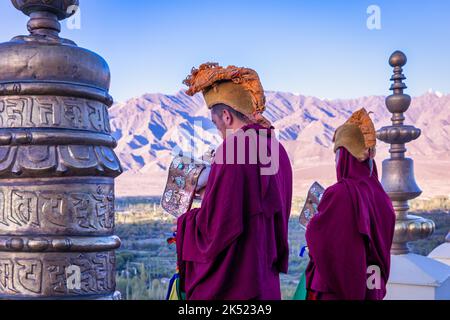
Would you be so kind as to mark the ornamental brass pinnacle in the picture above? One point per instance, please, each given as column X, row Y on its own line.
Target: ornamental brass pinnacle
column 398, row 171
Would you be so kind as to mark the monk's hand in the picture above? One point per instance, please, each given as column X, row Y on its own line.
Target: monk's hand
column 203, row 179
column 200, row 194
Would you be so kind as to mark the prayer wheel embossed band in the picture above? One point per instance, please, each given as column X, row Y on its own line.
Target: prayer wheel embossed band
column 57, row 164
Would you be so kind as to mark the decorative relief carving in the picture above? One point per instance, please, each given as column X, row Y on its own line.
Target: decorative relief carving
column 28, row 272
column 5, row 88
column 27, row 161
column 97, row 274
column 7, row 276
column 45, row 274
column 80, row 209
column 58, row 244
column 23, row 210
column 19, row 276
column 54, row 112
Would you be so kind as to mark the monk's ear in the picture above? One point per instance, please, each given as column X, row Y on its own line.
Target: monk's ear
column 227, row 117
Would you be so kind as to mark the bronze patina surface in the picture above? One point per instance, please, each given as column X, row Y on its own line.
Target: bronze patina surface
column 57, row 164
column 398, row 171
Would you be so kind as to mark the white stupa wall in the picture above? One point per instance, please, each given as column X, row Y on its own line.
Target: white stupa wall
column 415, row 277
column 441, row 253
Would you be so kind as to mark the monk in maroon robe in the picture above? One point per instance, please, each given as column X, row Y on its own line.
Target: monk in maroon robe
column 235, row 246
column 350, row 238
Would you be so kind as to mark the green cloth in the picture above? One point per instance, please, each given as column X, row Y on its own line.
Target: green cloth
column 300, row 294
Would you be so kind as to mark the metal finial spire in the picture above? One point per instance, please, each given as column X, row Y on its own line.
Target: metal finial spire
column 397, row 61
column 398, row 171
column 45, row 15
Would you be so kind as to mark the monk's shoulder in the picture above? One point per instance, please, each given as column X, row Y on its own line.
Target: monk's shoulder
column 337, row 191
column 335, row 202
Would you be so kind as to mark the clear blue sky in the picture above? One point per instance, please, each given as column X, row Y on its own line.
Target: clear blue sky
column 321, row 48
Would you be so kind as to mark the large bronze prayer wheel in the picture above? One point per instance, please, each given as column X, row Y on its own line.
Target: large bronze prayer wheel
column 57, row 164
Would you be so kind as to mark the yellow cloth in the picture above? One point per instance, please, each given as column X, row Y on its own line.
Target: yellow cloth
column 173, row 295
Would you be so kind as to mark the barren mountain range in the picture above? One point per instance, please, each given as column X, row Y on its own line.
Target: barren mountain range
column 151, row 127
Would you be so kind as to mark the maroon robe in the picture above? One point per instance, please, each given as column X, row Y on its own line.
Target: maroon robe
column 353, row 230
column 236, row 244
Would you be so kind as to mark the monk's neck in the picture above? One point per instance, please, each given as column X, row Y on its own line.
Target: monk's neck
column 240, row 126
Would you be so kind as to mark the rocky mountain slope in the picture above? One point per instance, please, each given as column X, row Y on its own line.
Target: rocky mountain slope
column 151, row 127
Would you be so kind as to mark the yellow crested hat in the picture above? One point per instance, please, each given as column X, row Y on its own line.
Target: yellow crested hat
column 239, row 88
column 357, row 135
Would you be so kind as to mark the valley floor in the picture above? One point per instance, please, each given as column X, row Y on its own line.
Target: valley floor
column 145, row 262
column 431, row 176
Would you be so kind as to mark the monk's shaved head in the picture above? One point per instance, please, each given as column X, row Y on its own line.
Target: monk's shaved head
column 219, row 108
column 227, row 119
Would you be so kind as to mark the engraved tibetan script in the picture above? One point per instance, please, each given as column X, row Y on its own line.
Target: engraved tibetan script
column 48, row 275
column 97, row 273
column 54, row 112
column 21, row 276
column 85, row 210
